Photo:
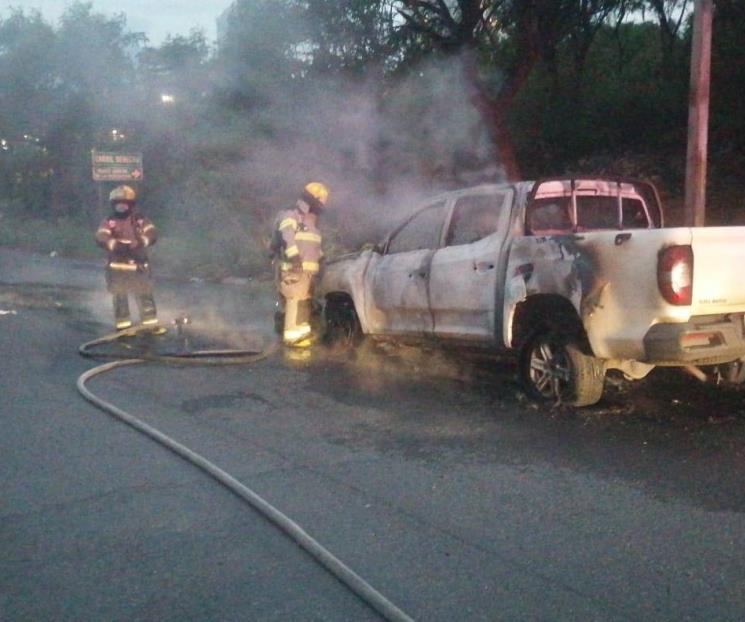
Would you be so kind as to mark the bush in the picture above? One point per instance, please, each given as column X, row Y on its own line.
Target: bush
column 185, row 254
column 67, row 236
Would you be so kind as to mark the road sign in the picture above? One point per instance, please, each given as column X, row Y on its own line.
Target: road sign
column 116, row 166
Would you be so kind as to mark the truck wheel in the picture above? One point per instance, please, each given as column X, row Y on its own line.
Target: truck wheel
column 341, row 327
column 554, row 369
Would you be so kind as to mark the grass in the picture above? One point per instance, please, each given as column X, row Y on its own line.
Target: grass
column 64, row 236
column 183, row 255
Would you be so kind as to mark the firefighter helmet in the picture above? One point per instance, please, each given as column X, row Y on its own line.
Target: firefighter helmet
column 317, row 191
column 123, row 194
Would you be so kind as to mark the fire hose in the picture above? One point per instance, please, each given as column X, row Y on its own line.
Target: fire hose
column 343, row 573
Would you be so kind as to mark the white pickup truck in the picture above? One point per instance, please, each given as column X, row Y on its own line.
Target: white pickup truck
column 579, row 275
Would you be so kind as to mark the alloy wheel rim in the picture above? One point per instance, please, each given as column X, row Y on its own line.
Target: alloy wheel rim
column 549, row 369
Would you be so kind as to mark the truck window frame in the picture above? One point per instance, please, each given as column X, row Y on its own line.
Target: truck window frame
column 503, row 198
column 439, row 204
column 645, row 192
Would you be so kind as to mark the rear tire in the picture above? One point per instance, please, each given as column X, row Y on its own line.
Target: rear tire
column 554, row 369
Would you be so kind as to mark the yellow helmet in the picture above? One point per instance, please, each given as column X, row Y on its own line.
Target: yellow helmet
column 123, row 194
column 318, row 191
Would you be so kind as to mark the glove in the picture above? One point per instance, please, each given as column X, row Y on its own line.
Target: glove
column 297, row 264
column 124, row 245
column 116, row 246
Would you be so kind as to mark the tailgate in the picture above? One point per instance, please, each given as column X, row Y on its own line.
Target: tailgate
column 718, row 270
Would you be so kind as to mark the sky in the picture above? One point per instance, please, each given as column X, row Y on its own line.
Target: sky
column 156, row 18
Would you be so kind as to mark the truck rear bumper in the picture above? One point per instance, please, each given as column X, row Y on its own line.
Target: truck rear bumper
column 703, row 340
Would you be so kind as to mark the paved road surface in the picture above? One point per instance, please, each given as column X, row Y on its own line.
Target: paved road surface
column 430, row 476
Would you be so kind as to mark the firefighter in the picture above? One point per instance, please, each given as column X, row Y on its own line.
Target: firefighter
column 297, row 247
column 126, row 235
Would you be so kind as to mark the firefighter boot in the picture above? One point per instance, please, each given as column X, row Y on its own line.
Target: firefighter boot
column 148, row 313
column 304, row 311
column 297, row 326
column 121, row 312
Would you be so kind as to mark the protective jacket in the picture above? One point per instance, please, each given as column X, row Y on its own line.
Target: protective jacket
column 299, row 239
column 126, row 239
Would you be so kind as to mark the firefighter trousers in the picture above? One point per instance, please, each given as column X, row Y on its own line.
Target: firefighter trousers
column 145, row 306
column 121, row 283
column 296, row 288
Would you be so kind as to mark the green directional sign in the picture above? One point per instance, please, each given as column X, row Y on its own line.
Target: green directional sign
column 116, row 166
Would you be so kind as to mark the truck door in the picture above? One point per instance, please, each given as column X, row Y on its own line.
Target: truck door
column 465, row 273
column 399, row 283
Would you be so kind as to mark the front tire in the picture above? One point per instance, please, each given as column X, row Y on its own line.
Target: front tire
column 554, row 369
column 342, row 328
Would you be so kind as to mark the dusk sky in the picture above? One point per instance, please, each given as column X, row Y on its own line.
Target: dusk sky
column 156, row 18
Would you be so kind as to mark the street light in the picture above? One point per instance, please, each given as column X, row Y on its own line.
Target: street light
column 167, row 99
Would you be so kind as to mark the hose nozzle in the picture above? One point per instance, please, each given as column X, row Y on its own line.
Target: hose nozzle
column 181, row 322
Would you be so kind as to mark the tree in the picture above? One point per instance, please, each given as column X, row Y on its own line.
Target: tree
column 64, row 87
column 590, row 16
column 177, row 67
column 670, row 15
column 27, row 80
column 349, row 36
column 27, row 74
column 95, row 88
column 511, row 35
column 261, row 52
column 728, row 79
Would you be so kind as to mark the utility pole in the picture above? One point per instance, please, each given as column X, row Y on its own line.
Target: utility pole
column 698, row 115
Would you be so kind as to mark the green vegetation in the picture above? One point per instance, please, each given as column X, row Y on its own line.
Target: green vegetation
column 64, row 236
column 384, row 100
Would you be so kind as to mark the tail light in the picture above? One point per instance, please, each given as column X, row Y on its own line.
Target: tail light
column 675, row 275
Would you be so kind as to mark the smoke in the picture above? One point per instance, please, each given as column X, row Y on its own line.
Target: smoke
column 380, row 147
column 248, row 127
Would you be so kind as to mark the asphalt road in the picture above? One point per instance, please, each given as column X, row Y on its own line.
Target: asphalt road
column 429, row 475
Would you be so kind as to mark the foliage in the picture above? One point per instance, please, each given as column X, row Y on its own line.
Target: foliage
column 385, row 100
column 350, row 36
column 65, row 236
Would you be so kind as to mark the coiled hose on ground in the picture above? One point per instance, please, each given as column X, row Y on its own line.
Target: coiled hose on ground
column 363, row 590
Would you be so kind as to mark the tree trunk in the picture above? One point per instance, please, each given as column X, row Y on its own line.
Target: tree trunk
column 495, row 110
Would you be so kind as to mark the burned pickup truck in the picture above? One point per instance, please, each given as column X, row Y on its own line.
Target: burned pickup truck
column 578, row 275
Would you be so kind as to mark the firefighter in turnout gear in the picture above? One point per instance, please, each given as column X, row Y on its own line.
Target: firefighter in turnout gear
column 296, row 247
column 125, row 234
